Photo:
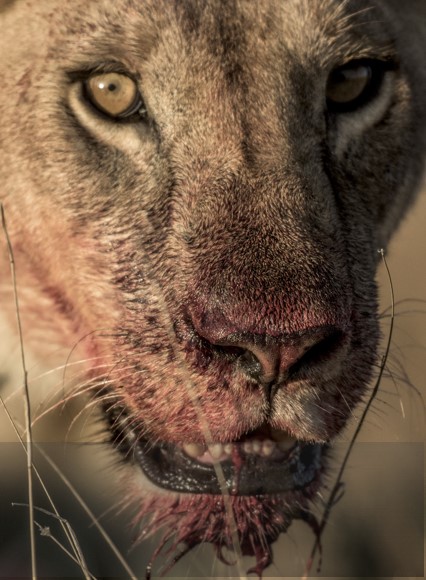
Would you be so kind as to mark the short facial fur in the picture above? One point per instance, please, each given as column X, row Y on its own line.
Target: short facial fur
column 238, row 216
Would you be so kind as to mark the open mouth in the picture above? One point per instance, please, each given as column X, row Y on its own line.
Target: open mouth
column 260, row 463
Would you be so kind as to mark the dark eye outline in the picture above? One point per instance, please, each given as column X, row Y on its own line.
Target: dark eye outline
column 378, row 69
column 136, row 112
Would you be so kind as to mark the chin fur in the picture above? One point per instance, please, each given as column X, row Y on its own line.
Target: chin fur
column 183, row 521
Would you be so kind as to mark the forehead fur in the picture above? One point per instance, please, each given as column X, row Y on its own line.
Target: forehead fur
column 229, row 24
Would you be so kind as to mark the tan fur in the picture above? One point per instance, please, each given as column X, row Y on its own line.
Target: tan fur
column 238, row 215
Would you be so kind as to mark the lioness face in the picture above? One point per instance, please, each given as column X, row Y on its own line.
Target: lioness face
column 196, row 192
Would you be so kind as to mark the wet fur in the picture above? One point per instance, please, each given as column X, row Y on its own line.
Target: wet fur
column 239, row 208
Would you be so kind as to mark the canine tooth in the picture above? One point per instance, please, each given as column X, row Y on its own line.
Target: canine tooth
column 257, row 446
column 268, row 447
column 248, row 447
column 228, row 448
column 193, row 450
column 216, row 450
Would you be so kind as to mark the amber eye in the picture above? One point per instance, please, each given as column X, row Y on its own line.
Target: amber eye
column 354, row 84
column 115, row 94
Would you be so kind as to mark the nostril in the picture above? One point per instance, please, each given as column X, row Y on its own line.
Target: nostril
column 228, row 352
column 247, row 360
column 250, row 364
column 319, row 352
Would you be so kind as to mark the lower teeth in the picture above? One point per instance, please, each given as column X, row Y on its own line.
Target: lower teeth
column 220, row 452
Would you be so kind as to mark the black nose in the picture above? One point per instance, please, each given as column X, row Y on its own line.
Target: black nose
column 276, row 360
column 273, row 360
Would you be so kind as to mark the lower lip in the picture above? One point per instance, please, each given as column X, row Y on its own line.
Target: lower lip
column 168, row 468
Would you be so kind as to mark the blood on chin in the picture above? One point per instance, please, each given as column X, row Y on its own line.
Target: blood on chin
column 187, row 520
